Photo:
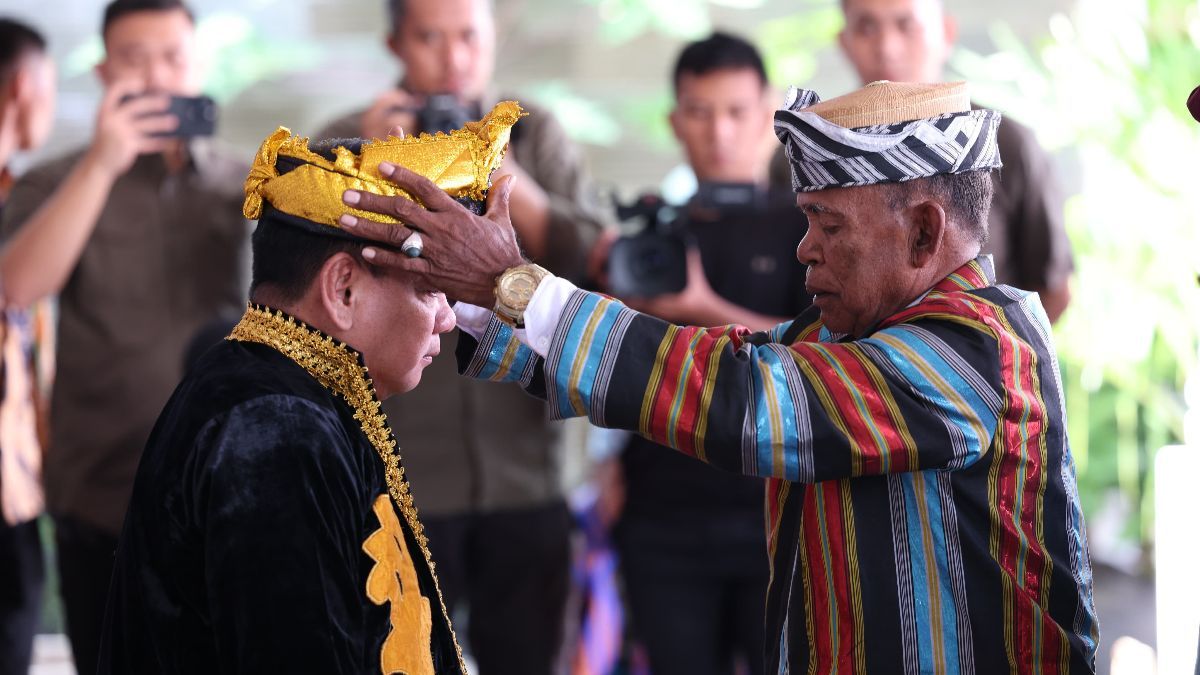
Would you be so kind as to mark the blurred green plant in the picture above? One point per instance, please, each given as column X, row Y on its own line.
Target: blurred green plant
column 790, row 44
column 1110, row 83
column 233, row 55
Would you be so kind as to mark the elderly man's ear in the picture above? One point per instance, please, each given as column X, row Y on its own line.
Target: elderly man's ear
column 338, row 288
column 927, row 233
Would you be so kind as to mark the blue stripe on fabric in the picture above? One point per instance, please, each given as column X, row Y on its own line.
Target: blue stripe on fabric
column 784, row 408
column 591, row 354
column 934, row 391
column 498, row 347
column 945, row 584
column 924, row 588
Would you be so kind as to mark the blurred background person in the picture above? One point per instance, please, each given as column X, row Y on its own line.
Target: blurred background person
column 141, row 235
column 27, row 81
column 487, row 462
column 910, row 41
column 690, row 536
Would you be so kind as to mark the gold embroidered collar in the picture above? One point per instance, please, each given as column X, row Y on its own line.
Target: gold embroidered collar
column 340, row 369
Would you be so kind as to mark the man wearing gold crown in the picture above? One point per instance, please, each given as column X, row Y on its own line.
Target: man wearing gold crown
column 271, row 527
column 921, row 513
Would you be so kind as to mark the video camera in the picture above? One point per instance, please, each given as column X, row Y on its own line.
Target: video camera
column 654, row 261
column 443, row 112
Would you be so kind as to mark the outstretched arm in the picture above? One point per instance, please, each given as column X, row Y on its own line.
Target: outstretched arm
column 50, row 228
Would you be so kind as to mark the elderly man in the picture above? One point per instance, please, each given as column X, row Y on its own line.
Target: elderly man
column 910, row 41
column 922, row 513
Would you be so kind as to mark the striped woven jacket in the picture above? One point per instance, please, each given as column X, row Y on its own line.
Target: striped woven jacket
column 921, row 513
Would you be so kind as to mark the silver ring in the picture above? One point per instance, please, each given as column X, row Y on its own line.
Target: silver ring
column 412, row 246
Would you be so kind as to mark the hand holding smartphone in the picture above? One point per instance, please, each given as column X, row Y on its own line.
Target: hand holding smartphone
column 197, row 116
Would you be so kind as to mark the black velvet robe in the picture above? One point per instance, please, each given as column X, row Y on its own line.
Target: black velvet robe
column 245, row 547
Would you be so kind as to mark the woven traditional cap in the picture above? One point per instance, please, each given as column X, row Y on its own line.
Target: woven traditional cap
column 885, row 102
column 886, row 132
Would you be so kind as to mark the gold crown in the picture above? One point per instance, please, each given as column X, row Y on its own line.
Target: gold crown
column 460, row 162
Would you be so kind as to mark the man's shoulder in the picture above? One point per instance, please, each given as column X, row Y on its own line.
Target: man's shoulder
column 236, row 376
column 52, row 170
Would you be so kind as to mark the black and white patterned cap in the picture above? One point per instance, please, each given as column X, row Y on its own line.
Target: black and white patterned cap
column 908, row 131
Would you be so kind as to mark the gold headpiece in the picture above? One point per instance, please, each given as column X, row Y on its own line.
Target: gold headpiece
column 460, row 162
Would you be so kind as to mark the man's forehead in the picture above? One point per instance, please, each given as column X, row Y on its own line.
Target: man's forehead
column 443, row 13
column 145, row 31
column 891, row 8
column 736, row 81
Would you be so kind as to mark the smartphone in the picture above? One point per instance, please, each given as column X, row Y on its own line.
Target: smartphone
column 197, row 116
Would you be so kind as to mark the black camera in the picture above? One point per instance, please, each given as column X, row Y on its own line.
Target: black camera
column 197, row 116
column 443, row 112
column 653, row 261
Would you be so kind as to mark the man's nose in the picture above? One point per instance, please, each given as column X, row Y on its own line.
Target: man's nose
column 806, row 251
column 445, row 318
column 456, row 57
column 890, row 44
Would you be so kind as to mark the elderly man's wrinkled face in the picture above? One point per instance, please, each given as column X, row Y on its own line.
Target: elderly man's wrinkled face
column 400, row 323
column 447, row 46
column 898, row 40
column 858, row 252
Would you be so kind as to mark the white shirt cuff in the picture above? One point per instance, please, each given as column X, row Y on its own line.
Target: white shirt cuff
column 472, row 320
column 544, row 310
column 541, row 316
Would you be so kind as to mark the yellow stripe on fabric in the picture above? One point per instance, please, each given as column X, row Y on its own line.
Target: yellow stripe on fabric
column 860, row 405
column 1039, row 521
column 809, row 610
column 827, row 566
column 706, row 394
column 656, row 377
column 950, row 393
column 510, row 355
column 853, row 582
column 773, row 527
column 776, row 419
column 931, row 575
column 889, row 402
column 581, row 356
column 994, row 517
column 681, row 390
column 835, row 415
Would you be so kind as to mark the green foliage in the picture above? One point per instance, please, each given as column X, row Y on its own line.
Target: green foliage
column 1110, row 83
column 624, row 20
column 790, row 44
column 233, row 55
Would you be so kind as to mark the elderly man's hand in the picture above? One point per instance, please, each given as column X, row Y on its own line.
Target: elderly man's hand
column 463, row 253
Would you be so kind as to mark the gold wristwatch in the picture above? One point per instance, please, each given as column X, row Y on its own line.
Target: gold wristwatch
column 514, row 289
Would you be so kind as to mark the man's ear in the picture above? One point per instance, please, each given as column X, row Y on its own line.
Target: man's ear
column 950, row 31
column 673, row 120
column 392, row 42
column 928, row 231
column 843, row 39
column 337, row 287
column 101, row 71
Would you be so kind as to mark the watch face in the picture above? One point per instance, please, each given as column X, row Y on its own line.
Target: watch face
column 516, row 288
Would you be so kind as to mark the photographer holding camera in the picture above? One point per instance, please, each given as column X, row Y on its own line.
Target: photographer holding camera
column 487, row 462
column 141, row 236
column 690, row 535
